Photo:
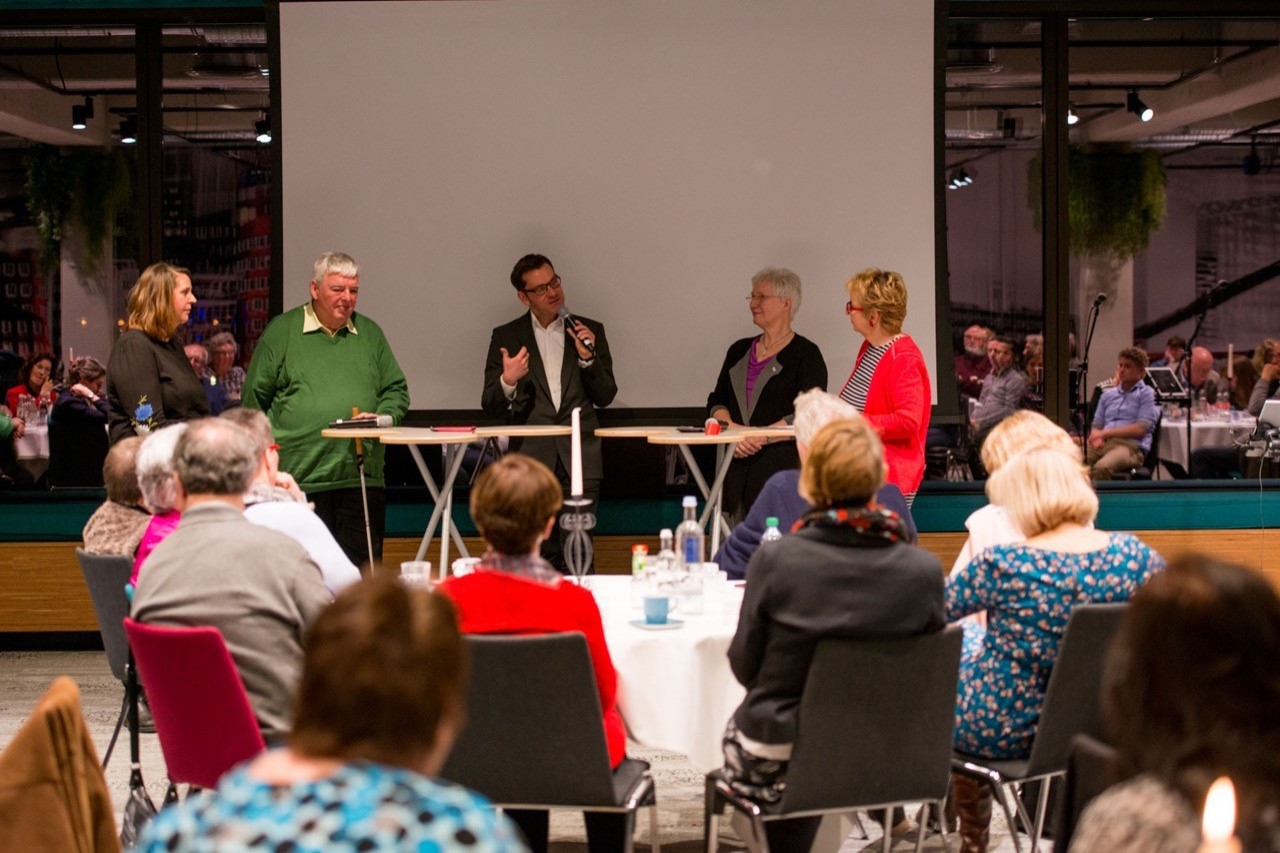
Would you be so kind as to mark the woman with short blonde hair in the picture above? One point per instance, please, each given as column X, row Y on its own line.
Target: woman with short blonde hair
column 1028, row 590
column 845, row 464
column 889, row 383
column 150, row 382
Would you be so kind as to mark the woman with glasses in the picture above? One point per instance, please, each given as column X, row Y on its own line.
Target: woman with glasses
column 761, row 377
column 889, row 383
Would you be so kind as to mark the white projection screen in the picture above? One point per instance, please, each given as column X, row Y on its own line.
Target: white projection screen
column 658, row 151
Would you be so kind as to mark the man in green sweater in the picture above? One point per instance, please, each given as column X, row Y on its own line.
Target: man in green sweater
column 312, row 366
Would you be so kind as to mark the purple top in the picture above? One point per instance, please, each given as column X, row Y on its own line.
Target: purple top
column 159, row 527
column 754, row 369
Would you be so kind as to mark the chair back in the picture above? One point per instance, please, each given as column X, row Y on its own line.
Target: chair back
column 106, row 577
column 1072, row 701
column 534, row 731
column 876, row 720
column 1090, row 771
column 198, row 702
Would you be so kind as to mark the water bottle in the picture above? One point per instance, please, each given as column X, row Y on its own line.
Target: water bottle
column 771, row 531
column 666, row 555
column 689, row 547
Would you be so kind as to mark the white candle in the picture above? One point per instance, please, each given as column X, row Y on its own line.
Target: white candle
column 71, row 354
column 1219, row 823
column 575, row 467
column 1231, row 361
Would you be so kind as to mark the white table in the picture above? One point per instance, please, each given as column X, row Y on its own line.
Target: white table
column 686, row 441
column 33, row 449
column 675, row 689
column 1204, row 433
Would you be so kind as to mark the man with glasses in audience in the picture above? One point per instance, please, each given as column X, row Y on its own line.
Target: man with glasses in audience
column 540, row 367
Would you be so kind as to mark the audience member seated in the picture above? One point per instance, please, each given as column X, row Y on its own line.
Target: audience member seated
column 1124, row 420
column 1001, row 393
column 1174, row 349
column 258, row 587
column 159, row 491
column 1268, row 385
column 275, row 501
column 1191, row 693
column 846, row 572
column 78, row 427
column 1204, row 381
column 973, row 365
column 514, row 591
column 216, row 394
column 116, row 527
column 991, row 525
column 1033, row 358
column 1028, row 591
column 223, row 368
column 381, row 701
column 34, row 381
column 780, row 498
column 12, row 428
column 1243, row 378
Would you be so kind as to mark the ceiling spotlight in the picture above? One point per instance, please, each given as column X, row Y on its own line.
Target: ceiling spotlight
column 263, row 130
column 1138, row 107
column 81, row 113
column 959, row 179
column 1072, row 118
column 129, row 130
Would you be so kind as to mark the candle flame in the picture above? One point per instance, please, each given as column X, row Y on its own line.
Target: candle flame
column 1219, row 811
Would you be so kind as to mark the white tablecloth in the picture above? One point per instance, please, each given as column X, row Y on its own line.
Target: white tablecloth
column 34, row 443
column 1205, row 433
column 675, row 690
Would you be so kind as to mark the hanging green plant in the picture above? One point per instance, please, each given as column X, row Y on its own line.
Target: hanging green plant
column 86, row 189
column 1116, row 198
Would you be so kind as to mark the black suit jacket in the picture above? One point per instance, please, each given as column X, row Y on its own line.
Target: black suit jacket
column 589, row 387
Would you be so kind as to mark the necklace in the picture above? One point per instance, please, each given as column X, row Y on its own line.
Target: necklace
column 763, row 349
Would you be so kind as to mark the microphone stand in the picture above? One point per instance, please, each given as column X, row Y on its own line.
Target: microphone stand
column 1082, row 383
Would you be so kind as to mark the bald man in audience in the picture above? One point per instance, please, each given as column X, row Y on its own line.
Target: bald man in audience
column 258, row 587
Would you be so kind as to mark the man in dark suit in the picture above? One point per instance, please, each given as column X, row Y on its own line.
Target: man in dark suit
column 539, row 368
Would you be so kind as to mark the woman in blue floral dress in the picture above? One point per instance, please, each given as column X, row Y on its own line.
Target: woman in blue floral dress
column 1028, row 591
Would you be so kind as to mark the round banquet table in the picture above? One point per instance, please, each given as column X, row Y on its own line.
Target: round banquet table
column 1204, row 433
column 33, row 449
column 675, row 689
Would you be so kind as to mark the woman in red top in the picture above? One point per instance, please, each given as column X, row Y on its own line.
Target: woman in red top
column 889, row 383
column 36, row 383
column 514, row 591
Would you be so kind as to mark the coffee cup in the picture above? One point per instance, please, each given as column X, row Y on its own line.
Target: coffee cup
column 657, row 609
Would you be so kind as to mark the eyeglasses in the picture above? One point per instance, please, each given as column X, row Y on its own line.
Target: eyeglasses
column 541, row 291
column 761, row 297
column 849, row 307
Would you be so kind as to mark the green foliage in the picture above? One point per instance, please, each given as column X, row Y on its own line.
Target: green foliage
column 1116, row 198
column 90, row 190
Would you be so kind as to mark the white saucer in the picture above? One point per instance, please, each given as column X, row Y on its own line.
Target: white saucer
column 662, row 626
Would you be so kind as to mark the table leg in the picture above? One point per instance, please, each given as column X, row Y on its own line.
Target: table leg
column 435, row 498
column 712, row 494
column 453, row 456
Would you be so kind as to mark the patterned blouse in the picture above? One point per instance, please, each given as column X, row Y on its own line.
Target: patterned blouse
column 363, row 806
column 1028, row 594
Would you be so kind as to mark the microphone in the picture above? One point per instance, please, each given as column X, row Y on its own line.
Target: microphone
column 362, row 423
column 1099, row 299
column 571, row 322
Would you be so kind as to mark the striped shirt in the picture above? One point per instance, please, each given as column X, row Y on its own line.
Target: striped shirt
column 855, row 390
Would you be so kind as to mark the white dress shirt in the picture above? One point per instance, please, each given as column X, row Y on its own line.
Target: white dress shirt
column 550, row 343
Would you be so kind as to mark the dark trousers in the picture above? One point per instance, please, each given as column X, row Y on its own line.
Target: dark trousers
column 554, row 545
column 342, row 511
column 607, row 832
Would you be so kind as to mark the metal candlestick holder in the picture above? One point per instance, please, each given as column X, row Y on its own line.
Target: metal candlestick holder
column 578, row 553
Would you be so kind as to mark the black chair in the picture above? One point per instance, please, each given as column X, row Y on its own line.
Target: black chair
column 875, row 732
column 534, row 737
column 106, row 576
column 1071, row 707
column 1090, row 771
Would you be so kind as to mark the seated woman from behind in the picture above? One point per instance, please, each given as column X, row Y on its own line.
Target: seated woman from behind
column 514, row 591
column 355, row 775
column 1191, row 692
column 846, row 572
column 116, row 527
column 1028, row 591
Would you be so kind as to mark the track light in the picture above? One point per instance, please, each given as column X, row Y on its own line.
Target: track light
column 1136, row 106
column 1072, row 118
column 81, row 113
column 263, row 130
column 959, row 179
column 129, row 130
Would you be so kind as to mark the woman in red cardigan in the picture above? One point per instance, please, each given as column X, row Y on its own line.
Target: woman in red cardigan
column 514, row 591
column 889, row 383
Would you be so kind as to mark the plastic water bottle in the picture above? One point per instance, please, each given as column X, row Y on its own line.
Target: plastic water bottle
column 666, row 554
column 689, row 545
column 771, row 531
